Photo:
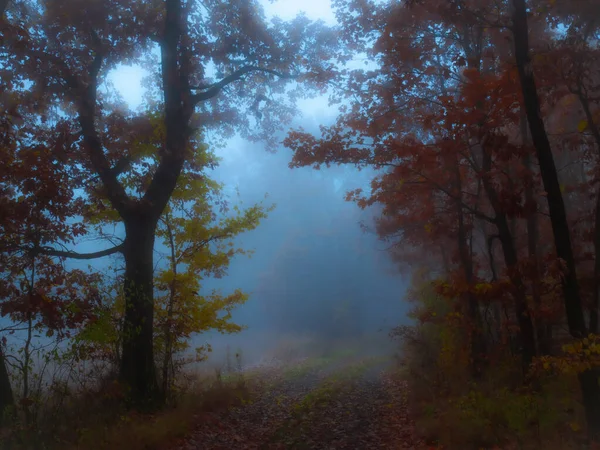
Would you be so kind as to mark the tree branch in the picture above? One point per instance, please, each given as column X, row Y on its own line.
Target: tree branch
column 74, row 255
column 3, row 6
column 203, row 243
column 86, row 116
column 213, row 89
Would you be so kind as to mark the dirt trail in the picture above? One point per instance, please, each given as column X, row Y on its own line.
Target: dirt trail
column 352, row 404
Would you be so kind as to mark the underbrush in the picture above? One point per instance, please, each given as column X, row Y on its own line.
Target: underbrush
column 494, row 416
column 96, row 419
column 497, row 411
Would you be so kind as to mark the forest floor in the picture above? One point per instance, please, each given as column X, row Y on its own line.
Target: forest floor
column 312, row 403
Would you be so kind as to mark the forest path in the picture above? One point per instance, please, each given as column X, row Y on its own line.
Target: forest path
column 353, row 403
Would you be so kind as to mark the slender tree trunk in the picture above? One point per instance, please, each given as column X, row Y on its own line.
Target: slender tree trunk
column 505, row 234
column 27, row 347
column 7, row 401
column 445, row 261
column 168, row 356
column 496, row 306
column 477, row 338
column 543, row 328
column 137, row 370
column 562, row 238
column 491, row 259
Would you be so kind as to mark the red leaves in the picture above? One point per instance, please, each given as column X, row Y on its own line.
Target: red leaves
column 335, row 148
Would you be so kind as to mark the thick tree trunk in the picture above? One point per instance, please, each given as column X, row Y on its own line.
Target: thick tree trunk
column 137, row 360
column 585, row 104
column 596, row 298
column 6, row 393
column 558, row 217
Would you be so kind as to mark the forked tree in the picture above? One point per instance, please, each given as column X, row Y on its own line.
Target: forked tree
column 217, row 67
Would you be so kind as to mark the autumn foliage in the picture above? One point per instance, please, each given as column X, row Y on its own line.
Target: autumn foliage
column 499, row 206
column 480, row 120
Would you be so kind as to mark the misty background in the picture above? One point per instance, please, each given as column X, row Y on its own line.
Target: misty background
column 315, row 270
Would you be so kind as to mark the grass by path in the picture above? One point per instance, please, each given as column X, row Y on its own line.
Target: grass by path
column 334, row 397
column 336, row 403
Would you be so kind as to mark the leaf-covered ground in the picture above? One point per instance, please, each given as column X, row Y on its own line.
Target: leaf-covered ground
column 321, row 404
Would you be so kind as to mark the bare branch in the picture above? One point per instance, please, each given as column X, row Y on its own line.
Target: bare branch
column 213, row 89
column 74, row 255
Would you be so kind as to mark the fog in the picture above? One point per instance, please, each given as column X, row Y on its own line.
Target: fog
column 318, row 273
column 315, row 271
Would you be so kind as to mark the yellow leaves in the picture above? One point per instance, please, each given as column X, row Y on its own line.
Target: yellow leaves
column 200, row 243
column 575, row 426
column 574, row 348
column 579, row 356
column 428, row 228
column 582, row 126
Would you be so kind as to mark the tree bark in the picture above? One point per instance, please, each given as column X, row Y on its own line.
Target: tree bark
column 596, row 298
column 543, row 329
column 6, row 393
column 585, row 104
column 478, row 345
column 562, row 238
column 168, row 333
column 137, row 370
column 526, row 330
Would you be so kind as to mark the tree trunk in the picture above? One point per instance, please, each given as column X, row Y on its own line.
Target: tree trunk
column 505, row 234
column 137, row 360
column 562, row 239
column 477, row 338
column 6, row 393
column 585, row 104
column 543, row 328
column 596, row 298
column 168, row 333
